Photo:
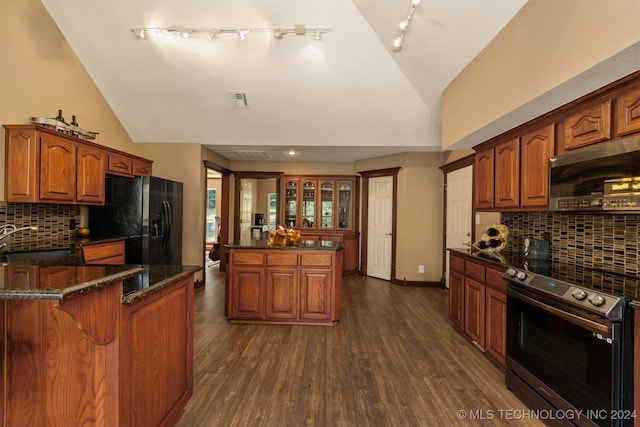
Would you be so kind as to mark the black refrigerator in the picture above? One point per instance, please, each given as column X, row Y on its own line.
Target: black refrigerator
column 148, row 211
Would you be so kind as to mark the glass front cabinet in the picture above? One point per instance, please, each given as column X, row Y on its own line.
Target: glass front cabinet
column 326, row 204
column 323, row 208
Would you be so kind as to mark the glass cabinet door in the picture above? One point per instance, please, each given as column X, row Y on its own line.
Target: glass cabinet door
column 326, row 205
column 309, row 204
column 344, row 205
column 290, row 203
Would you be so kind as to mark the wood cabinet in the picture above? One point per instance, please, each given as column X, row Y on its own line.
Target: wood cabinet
column 46, row 166
column 507, row 174
column 514, row 173
column 90, row 175
column 535, row 150
column 324, row 208
column 156, row 361
column 456, row 291
column 104, row 253
column 477, row 301
column 588, row 125
column 283, row 285
column 483, row 179
column 628, row 111
column 495, row 314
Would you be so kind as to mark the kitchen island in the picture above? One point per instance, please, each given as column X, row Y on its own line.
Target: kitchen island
column 95, row 345
column 284, row 284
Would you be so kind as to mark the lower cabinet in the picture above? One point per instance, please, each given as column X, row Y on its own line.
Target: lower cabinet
column 283, row 285
column 477, row 304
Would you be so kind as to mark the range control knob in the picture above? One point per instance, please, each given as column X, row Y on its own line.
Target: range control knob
column 596, row 300
column 579, row 294
column 521, row 275
column 511, row 272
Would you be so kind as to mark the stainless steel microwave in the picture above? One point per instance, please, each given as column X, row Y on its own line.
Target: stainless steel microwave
column 602, row 178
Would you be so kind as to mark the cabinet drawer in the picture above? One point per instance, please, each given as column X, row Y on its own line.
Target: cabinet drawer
column 473, row 270
column 282, row 259
column 456, row 264
column 495, row 280
column 322, row 260
column 248, row 258
column 120, row 165
column 104, row 253
column 141, row 168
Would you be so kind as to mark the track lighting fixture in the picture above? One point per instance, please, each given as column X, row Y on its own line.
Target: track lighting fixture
column 404, row 26
column 212, row 33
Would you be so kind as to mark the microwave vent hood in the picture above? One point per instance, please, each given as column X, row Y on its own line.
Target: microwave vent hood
column 577, row 179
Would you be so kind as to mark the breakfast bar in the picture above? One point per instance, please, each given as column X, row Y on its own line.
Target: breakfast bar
column 101, row 345
column 278, row 284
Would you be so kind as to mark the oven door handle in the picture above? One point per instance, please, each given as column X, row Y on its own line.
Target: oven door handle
column 585, row 323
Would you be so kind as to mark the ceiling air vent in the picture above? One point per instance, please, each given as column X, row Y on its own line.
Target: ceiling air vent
column 239, row 99
column 250, row 154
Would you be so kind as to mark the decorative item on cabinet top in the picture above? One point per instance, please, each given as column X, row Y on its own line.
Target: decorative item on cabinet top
column 59, row 124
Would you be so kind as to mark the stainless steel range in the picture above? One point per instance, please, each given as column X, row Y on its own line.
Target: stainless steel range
column 570, row 343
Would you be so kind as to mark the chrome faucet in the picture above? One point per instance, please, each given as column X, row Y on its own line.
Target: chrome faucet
column 9, row 229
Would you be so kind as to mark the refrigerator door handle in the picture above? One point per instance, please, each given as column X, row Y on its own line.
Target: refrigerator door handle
column 168, row 221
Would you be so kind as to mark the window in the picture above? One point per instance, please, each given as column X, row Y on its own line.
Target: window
column 211, row 215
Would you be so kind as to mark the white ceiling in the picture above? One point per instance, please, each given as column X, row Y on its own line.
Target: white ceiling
column 346, row 97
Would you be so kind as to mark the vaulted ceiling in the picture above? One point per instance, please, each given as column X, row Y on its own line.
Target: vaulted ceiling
column 344, row 97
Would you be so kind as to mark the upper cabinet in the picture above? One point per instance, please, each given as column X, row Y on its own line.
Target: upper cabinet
column 628, row 111
column 318, row 204
column 507, row 176
column 535, row 150
column 588, row 125
column 46, row 166
column 513, row 174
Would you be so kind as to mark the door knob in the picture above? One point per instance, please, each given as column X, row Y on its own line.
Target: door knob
column 468, row 234
column 387, row 234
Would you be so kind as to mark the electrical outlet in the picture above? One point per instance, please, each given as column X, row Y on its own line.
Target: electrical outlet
column 477, row 219
column 421, row 269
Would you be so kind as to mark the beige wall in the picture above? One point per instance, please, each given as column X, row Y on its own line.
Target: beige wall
column 419, row 230
column 545, row 45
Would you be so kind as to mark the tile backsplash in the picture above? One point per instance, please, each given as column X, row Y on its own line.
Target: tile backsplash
column 604, row 242
column 52, row 222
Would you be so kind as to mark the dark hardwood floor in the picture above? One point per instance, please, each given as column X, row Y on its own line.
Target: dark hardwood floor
column 392, row 360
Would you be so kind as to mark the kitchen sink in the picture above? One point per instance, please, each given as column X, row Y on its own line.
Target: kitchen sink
column 36, row 255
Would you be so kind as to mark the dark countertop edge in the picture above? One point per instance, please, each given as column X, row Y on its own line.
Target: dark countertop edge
column 187, row 270
column 263, row 244
column 71, row 291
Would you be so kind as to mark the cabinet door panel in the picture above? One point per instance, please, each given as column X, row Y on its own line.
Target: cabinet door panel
column 21, row 166
column 589, row 125
column 248, row 293
column 483, row 179
column 507, row 191
column 474, row 301
column 315, row 294
column 496, row 312
column 57, row 169
column 282, row 293
column 456, row 299
column 91, row 175
column 537, row 148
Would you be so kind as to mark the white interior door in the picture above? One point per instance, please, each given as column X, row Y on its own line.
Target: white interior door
column 379, row 228
column 459, row 211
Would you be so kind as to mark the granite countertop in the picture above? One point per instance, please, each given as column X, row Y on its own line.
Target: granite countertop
column 329, row 245
column 28, row 280
column 608, row 282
